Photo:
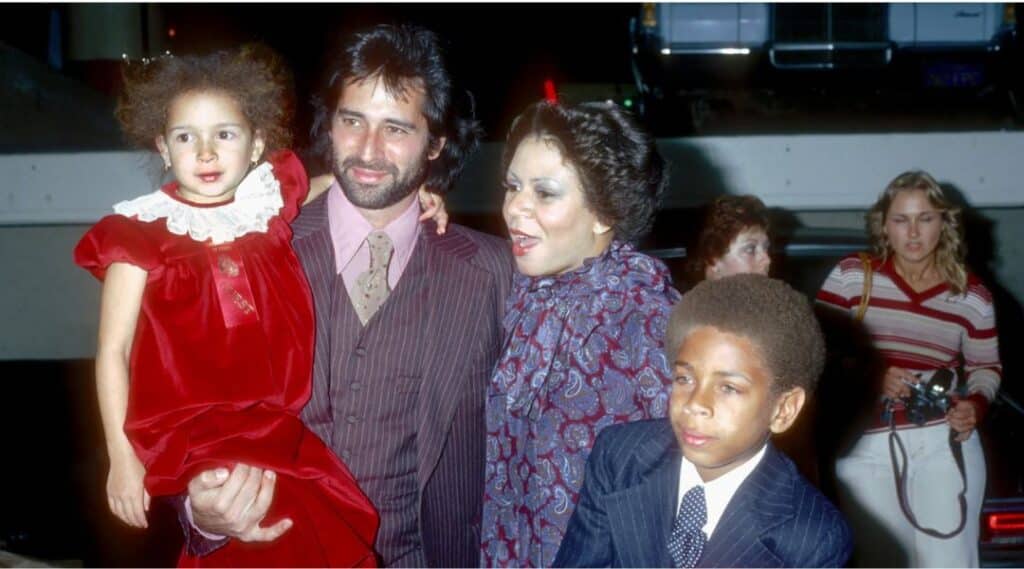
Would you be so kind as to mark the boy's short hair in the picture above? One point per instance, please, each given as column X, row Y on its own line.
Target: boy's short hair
column 768, row 312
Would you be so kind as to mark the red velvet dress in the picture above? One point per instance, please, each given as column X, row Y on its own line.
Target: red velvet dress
column 221, row 367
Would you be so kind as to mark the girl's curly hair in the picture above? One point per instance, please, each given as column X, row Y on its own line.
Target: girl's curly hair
column 252, row 74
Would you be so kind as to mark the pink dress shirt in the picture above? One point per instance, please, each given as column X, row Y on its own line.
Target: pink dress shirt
column 349, row 230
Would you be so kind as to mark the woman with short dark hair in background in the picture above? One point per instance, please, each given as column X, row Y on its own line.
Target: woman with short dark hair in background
column 927, row 316
column 733, row 239
column 585, row 322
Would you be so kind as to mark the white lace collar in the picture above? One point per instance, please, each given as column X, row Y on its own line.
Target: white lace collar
column 257, row 199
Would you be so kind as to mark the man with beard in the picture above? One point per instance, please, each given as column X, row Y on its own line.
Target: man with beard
column 408, row 322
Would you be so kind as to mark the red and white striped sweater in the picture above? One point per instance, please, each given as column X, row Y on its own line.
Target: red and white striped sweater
column 922, row 331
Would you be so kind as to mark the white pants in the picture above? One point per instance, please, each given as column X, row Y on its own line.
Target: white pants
column 882, row 535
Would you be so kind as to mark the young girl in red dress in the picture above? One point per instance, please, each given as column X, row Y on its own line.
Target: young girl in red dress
column 206, row 320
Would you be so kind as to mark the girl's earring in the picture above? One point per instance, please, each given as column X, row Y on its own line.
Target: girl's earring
column 166, row 166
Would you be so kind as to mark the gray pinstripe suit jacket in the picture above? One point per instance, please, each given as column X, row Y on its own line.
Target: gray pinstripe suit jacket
column 445, row 315
column 627, row 505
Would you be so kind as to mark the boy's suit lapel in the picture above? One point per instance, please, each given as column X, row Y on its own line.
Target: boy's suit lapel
column 760, row 504
column 642, row 515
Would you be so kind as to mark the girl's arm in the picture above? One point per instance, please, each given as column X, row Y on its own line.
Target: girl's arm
column 120, row 303
column 433, row 208
column 432, row 204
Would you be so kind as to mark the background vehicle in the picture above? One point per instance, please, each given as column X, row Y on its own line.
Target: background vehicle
column 687, row 55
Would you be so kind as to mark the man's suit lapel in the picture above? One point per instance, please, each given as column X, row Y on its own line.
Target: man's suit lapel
column 312, row 243
column 450, row 307
column 641, row 516
column 760, row 504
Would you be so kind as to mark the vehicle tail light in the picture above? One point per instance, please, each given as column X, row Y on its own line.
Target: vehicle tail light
column 549, row 91
column 1005, row 522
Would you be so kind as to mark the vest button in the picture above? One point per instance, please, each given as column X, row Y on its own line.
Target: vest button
column 351, row 419
column 360, row 351
column 356, row 386
column 345, row 455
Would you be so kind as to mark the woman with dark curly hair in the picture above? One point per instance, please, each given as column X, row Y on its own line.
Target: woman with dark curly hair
column 926, row 314
column 585, row 321
column 733, row 240
column 206, row 321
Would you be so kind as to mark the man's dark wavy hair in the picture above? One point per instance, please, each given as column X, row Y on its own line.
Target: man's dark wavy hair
column 623, row 174
column 403, row 57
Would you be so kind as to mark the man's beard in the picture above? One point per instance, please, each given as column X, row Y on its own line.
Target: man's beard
column 379, row 196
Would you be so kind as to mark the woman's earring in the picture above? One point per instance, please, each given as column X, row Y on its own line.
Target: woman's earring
column 166, row 166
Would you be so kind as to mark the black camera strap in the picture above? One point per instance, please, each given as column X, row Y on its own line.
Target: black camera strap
column 900, row 475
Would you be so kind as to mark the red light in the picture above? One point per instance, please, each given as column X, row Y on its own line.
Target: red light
column 1009, row 521
column 171, row 32
column 549, row 91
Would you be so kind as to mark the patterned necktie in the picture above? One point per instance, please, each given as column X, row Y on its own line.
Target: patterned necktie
column 687, row 540
column 371, row 288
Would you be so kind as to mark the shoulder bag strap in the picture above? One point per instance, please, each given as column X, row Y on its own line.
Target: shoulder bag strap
column 865, row 295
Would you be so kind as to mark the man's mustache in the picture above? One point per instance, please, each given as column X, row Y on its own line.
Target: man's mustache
column 380, row 166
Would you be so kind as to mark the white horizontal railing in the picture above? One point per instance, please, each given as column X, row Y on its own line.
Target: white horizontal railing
column 797, row 172
column 72, row 187
column 844, row 171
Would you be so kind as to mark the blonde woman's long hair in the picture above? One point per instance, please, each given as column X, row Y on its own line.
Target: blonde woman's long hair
column 951, row 249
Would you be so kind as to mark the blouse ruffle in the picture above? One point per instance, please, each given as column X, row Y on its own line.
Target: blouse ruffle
column 575, row 299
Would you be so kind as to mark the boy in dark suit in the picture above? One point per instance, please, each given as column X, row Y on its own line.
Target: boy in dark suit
column 705, row 487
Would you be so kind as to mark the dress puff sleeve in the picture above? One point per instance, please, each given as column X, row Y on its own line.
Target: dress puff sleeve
column 294, row 182
column 118, row 239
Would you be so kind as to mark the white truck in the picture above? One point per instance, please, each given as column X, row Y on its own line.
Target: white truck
column 686, row 52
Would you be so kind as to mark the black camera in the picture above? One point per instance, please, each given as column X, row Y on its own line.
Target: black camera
column 928, row 400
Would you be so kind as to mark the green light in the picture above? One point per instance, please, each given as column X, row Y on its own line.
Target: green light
column 628, row 103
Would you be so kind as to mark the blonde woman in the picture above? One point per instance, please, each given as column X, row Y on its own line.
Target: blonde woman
column 924, row 312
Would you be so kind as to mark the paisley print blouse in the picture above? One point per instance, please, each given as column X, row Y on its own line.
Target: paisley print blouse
column 583, row 350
